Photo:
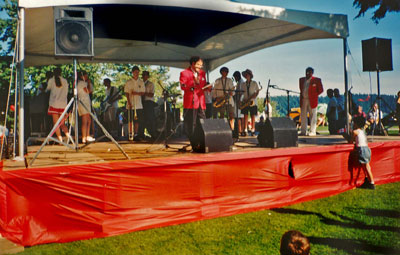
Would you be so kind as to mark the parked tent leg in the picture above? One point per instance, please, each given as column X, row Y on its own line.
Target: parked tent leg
column 21, row 52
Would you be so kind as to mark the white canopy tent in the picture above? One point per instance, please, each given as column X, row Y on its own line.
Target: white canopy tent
column 169, row 32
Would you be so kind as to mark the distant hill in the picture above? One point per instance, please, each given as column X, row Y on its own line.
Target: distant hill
column 388, row 102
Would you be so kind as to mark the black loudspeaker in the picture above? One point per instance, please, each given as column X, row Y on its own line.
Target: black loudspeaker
column 278, row 132
column 377, row 54
column 213, row 135
column 73, row 31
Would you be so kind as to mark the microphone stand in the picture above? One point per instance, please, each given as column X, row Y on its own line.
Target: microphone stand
column 267, row 99
column 227, row 102
column 164, row 129
column 287, row 92
column 238, row 94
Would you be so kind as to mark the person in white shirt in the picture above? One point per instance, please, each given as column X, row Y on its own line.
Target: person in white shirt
column 250, row 93
column 134, row 90
column 363, row 152
column 90, row 90
column 84, row 108
column 267, row 108
column 373, row 119
column 58, row 87
column 222, row 92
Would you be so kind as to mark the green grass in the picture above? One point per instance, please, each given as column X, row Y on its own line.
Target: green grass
column 355, row 222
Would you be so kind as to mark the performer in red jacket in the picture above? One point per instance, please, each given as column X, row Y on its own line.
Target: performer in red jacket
column 310, row 88
column 192, row 81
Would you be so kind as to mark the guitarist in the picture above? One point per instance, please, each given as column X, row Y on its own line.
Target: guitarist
column 110, row 107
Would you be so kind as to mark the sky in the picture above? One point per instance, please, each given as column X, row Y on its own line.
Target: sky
column 284, row 64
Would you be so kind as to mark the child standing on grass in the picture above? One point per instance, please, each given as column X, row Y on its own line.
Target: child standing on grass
column 359, row 138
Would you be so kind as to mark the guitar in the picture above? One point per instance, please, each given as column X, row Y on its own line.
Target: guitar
column 108, row 102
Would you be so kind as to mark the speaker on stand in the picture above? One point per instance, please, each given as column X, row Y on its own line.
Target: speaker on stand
column 73, row 31
column 74, row 38
column 377, row 56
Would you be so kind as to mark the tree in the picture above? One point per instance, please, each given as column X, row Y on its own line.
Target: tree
column 8, row 27
column 381, row 8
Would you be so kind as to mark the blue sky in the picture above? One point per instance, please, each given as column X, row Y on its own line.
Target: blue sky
column 284, row 64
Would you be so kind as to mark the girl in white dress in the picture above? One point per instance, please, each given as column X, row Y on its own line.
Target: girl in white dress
column 84, row 112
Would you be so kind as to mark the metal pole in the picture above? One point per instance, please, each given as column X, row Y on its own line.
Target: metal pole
column 21, row 80
column 15, row 114
column 76, row 103
column 346, row 85
column 379, row 97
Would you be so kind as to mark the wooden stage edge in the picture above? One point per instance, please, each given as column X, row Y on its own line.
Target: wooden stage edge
column 106, row 151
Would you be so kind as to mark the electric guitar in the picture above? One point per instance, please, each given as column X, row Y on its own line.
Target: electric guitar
column 108, row 102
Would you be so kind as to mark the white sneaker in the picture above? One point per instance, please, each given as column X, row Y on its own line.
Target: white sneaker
column 312, row 134
column 90, row 139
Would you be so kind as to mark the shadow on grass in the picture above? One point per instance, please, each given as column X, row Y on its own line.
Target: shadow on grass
column 376, row 212
column 346, row 223
column 352, row 246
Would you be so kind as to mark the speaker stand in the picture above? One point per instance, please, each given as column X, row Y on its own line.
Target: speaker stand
column 75, row 144
column 380, row 129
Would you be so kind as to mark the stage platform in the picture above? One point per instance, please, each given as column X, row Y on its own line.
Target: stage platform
column 95, row 192
column 100, row 152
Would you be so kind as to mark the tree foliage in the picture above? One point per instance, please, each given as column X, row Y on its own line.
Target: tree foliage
column 8, row 27
column 381, row 8
column 279, row 103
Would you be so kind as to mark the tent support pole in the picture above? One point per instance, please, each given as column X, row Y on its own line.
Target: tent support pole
column 21, row 45
column 206, row 65
column 346, row 85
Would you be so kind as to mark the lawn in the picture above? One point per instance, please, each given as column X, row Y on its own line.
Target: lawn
column 355, row 222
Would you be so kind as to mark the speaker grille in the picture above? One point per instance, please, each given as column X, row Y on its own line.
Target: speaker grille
column 73, row 33
column 73, row 38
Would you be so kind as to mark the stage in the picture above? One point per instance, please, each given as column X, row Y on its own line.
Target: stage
column 95, row 192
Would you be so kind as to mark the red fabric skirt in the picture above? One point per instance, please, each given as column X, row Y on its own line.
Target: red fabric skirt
column 53, row 110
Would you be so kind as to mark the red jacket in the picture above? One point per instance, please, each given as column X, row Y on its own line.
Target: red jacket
column 193, row 96
column 314, row 90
